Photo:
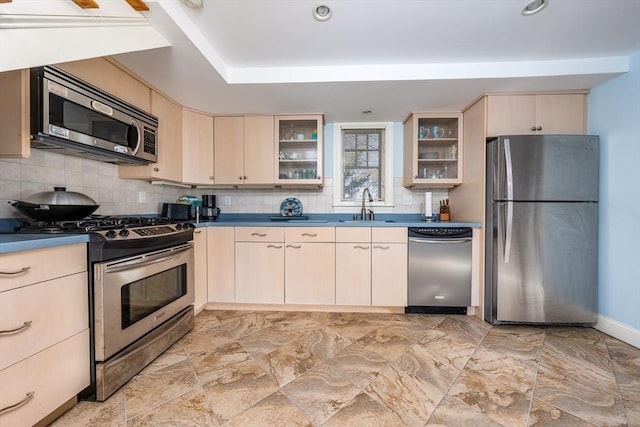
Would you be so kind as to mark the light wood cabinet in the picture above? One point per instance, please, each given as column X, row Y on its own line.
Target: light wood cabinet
column 221, row 264
column 299, row 150
column 197, row 148
column 310, row 265
column 531, row 114
column 44, row 296
column 389, row 267
column 110, row 77
column 169, row 165
column 353, row 266
column 259, row 265
column 14, row 114
column 433, row 150
column 243, row 146
column 200, row 268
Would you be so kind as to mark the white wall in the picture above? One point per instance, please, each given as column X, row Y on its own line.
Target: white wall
column 614, row 114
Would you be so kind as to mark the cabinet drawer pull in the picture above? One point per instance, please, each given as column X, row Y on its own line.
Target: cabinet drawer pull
column 25, row 325
column 310, row 234
column 259, row 234
column 275, row 246
column 14, row 273
column 294, row 246
column 198, row 231
column 380, row 247
column 360, row 247
column 15, row 405
column 539, row 128
column 533, row 128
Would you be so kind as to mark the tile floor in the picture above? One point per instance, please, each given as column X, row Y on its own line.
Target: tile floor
column 343, row 369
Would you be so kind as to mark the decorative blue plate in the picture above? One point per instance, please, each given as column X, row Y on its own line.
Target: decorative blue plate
column 291, row 206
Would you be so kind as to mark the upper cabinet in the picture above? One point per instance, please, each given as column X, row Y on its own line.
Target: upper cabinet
column 14, row 114
column 169, row 165
column 243, row 149
column 530, row 114
column 433, row 148
column 197, row 148
column 299, row 150
column 111, row 78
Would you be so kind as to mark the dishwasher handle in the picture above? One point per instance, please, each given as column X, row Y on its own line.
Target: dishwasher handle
column 440, row 241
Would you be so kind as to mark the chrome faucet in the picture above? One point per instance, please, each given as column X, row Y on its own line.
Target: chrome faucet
column 363, row 211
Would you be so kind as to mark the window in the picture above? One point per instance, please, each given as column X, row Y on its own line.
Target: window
column 363, row 159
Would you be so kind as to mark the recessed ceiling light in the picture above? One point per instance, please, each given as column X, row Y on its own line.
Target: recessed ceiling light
column 322, row 12
column 534, row 6
column 367, row 112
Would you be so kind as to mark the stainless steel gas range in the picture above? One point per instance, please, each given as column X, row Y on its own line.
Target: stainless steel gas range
column 140, row 292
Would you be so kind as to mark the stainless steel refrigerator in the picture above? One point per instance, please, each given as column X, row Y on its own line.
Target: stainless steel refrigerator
column 542, row 229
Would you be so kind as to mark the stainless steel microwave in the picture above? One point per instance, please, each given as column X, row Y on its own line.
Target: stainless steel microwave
column 76, row 118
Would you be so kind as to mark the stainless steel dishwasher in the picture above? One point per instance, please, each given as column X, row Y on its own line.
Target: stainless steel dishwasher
column 439, row 270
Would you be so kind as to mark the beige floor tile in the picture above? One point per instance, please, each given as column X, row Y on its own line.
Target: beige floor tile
column 543, row 415
column 110, row 413
column 352, row 327
column 275, row 410
column 219, row 363
column 454, row 412
column 319, row 393
column 149, row 390
column 521, row 342
column 265, row 341
column 288, row 363
column 358, row 364
column 468, row 328
column 324, row 343
column 188, row 410
column 363, row 411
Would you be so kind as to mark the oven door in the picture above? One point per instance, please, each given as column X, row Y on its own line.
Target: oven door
column 134, row 295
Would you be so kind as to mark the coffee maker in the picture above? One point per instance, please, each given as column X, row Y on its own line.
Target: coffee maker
column 209, row 210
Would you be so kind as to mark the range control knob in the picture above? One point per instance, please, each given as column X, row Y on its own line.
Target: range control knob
column 124, row 232
column 178, row 226
column 111, row 234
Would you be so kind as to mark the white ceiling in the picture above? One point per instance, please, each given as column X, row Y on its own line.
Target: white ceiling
column 388, row 56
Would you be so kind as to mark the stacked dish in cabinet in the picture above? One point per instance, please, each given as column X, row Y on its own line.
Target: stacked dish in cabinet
column 299, row 149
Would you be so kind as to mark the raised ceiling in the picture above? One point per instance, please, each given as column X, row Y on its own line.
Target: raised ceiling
column 388, row 56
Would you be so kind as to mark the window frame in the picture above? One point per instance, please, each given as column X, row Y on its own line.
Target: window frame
column 347, row 206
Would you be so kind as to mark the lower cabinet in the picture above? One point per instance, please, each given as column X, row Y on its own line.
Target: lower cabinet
column 200, row 267
column 310, row 273
column 259, row 265
column 389, row 266
column 353, row 266
column 221, row 268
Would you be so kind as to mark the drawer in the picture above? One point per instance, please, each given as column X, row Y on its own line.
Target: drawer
column 37, row 265
column 353, row 234
column 389, row 234
column 259, row 234
column 54, row 376
column 310, row 234
column 57, row 309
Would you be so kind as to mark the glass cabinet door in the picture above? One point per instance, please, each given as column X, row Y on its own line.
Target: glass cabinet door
column 299, row 149
column 433, row 144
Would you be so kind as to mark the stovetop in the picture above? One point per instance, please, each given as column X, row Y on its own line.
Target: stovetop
column 109, row 227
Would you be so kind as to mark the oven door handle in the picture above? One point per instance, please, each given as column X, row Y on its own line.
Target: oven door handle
column 147, row 259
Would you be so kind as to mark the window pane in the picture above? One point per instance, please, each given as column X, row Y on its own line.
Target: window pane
column 362, row 158
column 373, row 141
column 349, row 141
column 350, row 159
column 361, row 141
column 373, row 159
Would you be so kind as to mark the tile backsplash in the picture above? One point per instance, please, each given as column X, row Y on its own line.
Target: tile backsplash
column 20, row 178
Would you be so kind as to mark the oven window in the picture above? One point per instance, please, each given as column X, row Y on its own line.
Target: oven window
column 69, row 115
column 145, row 296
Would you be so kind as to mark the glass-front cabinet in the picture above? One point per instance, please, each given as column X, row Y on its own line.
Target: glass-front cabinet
column 299, row 150
column 433, row 150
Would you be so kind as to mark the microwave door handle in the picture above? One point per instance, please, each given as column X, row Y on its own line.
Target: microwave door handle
column 133, row 126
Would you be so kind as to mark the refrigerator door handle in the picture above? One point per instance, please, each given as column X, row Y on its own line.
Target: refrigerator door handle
column 508, row 231
column 509, row 168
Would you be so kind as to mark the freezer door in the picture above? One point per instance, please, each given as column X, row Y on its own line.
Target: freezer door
column 546, row 168
column 544, row 262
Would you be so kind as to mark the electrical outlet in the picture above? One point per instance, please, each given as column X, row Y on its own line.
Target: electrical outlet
column 407, row 199
column 142, row 197
column 227, row 200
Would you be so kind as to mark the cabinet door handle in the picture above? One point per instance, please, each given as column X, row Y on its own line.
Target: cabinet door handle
column 360, row 247
column 539, row 128
column 240, row 178
column 156, row 169
column 259, row 234
column 198, row 231
column 211, row 178
column 275, row 246
column 310, row 234
column 294, row 246
column 15, row 273
column 380, row 247
column 27, row 397
column 25, row 325
column 533, row 128
column 244, row 177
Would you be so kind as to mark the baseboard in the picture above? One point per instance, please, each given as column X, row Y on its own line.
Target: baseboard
column 618, row 330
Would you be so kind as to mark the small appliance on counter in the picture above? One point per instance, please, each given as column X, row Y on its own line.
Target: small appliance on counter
column 176, row 211
column 209, row 210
